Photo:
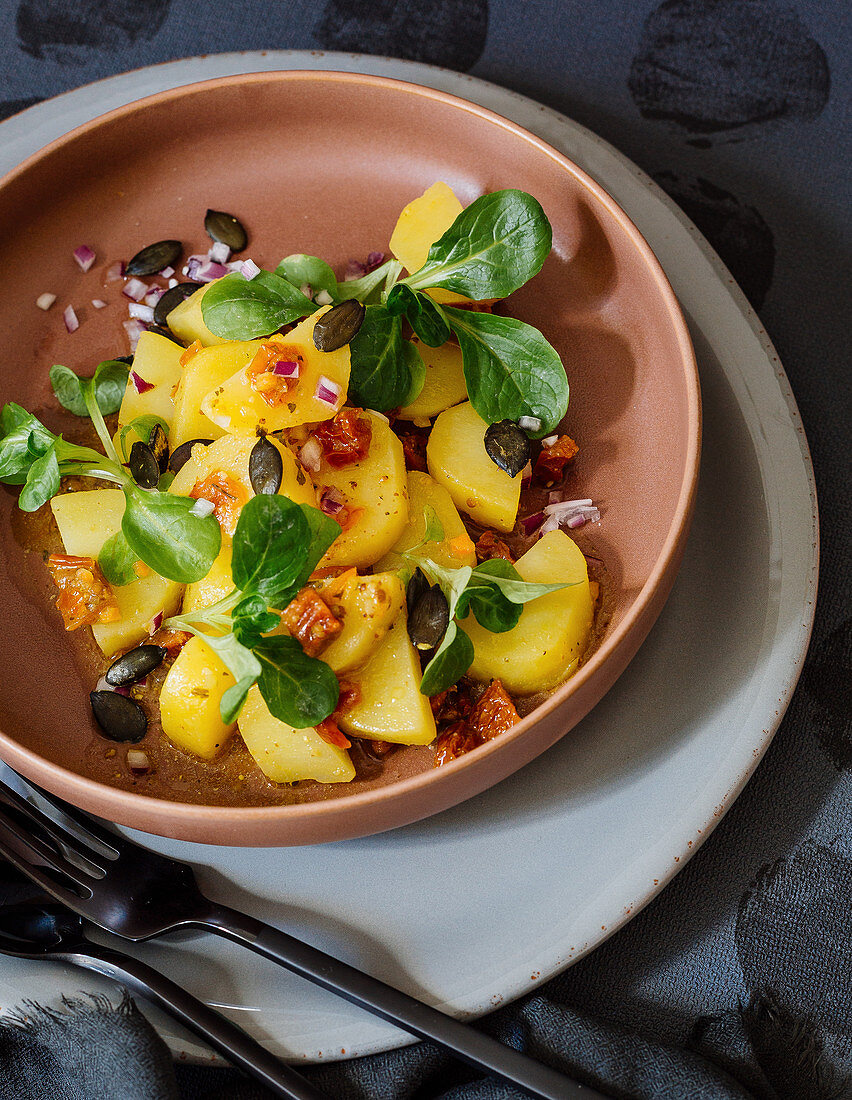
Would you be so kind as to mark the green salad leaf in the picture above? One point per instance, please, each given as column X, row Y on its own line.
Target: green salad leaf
column 117, row 561
column 300, row 269
column 165, row 532
column 237, row 308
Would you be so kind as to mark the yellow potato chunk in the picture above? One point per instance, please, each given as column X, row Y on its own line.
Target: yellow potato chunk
column 424, row 221
column 285, row 754
column 376, row 493
column 554, row 630
column 157, row 361
column 457, row 459
column 455, row 550
column 86, row 520
column 391, row 707
column 203, row 373
column 189, row 701
column 444, row 385
column 187, row 322
column 238, row 408
column 368, row 606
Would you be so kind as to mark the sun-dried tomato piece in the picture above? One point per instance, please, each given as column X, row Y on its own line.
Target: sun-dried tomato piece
column 85, row 597
column 328, row 729
column 453, row 704
column 308, row 618
column 172, row 641
column 453, row 742
column 345, row 438
column 226, row 494
column 414, row 450
column 273, row 388
column 331, row 733
column 550, row 464
column 488, row 546
column 378, row 749
column 492, row 714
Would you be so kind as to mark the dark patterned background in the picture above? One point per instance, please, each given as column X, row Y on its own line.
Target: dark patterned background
column 736, row 981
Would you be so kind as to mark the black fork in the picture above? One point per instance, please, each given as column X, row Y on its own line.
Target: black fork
column 139, row 894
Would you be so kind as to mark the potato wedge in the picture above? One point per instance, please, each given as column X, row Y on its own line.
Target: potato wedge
column 203, row 373
column 391, row 707
column 238, row 408
column 554, row 630
column 187, row 322
column 458, row 460
column 189, row 701
column 375, row 491
column 86, row 520
column 285, row 754
column 444, row 386
column 367, row 606
column 421, row 223
column 156, row 361
column 455, row 550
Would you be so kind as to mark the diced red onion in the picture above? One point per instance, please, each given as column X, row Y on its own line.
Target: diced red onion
column 327, row 391
column 102, row 685
column 576, row 521
column 167, row 272
column 219, row 252
column 248, row 269
column 311, row 454
column 323, row 298
column 204, row 270
column 202, row 508
column 286, row 368
column 46, row 300
column 99, row 303
column 135, row 289
column 354, row 270
column 70, row 319
column 307, row 290
column 235, row 265
column 134, row 330
column 115, row 272
column 137, row 760
column 140, row 312
column 529, row 423
column 374, row 260
column 569, row 513
column 549, row 440
column 172, row 282
column 331, row 501
column 156, row 623
column 154, row 295
column 139, row 383
column 526, row 474
column 84, row 256
column 529, row 523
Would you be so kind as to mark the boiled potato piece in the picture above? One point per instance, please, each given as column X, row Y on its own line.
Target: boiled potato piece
column 189, row 701
column 187, row 322
column 444, row 385
column 455, row 550
column 424, row 221
column 458, row 460
column 286, row 755
column 239, row 409
column 215, row 586
column 203, row 373
column 391, row 707
column 553, row 632
column 367, row 606
column 376, row 493
column 86, row 520
column 157, row 361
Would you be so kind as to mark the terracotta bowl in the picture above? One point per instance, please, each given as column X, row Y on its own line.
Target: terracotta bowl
column 323, row 163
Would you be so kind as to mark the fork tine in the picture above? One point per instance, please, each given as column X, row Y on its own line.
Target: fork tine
column 40, row 876
column 40, row 821
column 12, row 826
column 86, row 828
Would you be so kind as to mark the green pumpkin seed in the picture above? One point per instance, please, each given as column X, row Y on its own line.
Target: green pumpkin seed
column 226, row 229
column 507, row 446
column 144, row 466
column 181, row 455
column 159, row 444
column 266, row 467
column 135, row 665
column 172, row 298
column 154, row 257
column 336, row 328
column 429, row 619
column 120, row 717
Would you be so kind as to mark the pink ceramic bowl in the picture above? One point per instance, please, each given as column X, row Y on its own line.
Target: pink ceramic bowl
column 323, row 163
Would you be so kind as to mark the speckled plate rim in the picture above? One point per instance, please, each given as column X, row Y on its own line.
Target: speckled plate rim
column 719, row 311
column 340, row 818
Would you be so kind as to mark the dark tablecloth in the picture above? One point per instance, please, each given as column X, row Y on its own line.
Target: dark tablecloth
column 736, row 981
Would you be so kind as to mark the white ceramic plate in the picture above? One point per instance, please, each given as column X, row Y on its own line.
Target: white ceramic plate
column 477, row 905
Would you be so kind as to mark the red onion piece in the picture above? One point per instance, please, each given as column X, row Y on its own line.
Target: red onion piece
column 102, row 685
column 156, row 623
column 374, row 260
column 46, row 300
column 549, row 440
column 134, row 330
column 248, row 269
column 331, row 501
column 204, row 270
column 154, row 295
column 99, row 303
column 327, row 391
column 202, row 508
column 354, row 270
column 137, row 760
column 135, row 289
column 286, row 368
column 219, row 252
column 576, row 521
column 84, row 256
column 140, row 312
column 323, row 298
column 311, row 454
column 529, row 523
column 70, row 319
column 167, row 272
column 526, row 474
column 139, row 383
column 115, row 272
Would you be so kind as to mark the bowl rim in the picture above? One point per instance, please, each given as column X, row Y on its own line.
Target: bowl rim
column 117, row 804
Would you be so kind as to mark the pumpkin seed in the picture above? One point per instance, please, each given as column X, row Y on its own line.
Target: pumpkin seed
column 340, row 325
column 417, row 587
column 120, row 717
column 172, row 298
column 144, row 466
column 161, row 330
column 226, row 229
column 154, row 257
column 266, row 467
column 429, row 619
column 128, row 359
column 135, row 665
column 181, row 455
column 507, row 446
column 159, row 444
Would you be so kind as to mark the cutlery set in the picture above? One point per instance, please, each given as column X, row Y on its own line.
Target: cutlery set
column 87, row 872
